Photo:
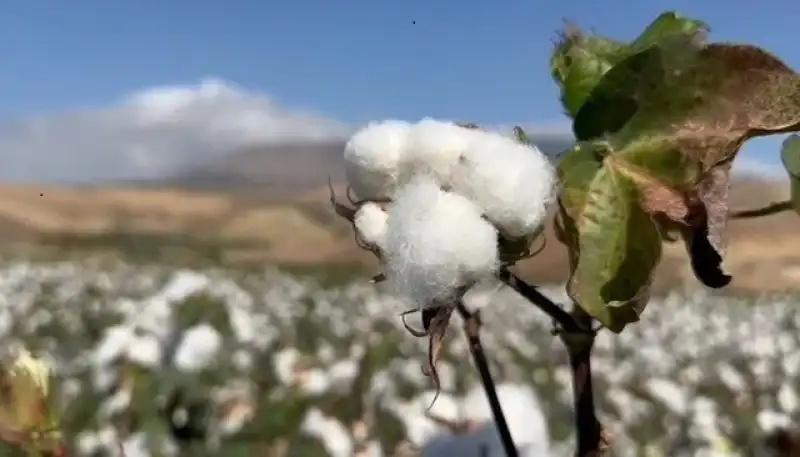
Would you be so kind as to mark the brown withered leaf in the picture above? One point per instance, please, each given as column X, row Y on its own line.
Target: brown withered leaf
column 437, row 329
column 348, row 213
column 435, row 321
column 713, row 193
column 341, row 209
column 705, row 260
column 710, row 100
column 705, row 234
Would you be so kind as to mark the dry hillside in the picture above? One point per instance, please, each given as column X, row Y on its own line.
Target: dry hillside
column 249, row 225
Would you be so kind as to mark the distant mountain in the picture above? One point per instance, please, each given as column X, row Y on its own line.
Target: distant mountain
column 289, row 168
column 283, row 168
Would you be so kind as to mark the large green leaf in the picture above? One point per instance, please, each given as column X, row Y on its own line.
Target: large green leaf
column 614, row 244
column 659, row 122
column 695, row 106
column 790, row 156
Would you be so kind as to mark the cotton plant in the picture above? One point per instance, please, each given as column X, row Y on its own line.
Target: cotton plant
column 658, row 122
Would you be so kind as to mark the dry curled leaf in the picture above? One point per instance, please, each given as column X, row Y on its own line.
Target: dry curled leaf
column 342, row 210
column 348, row 213
column 705, row 237
column 435, row 321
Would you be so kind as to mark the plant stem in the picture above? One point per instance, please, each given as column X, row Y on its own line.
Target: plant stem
column 472, row 326
column 591, row 439
column 532, row 294
column 578, row 337
column 772, row 208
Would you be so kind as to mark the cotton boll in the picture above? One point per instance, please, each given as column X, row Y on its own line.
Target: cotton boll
column 513, row 183
column 371, row 222
column 434, row 148
column 436, row 241
column 198, row 348
column 374, row 158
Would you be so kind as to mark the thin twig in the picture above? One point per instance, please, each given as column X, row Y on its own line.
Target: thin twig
column 532, row 294
column 472, row 326
column 772, row 208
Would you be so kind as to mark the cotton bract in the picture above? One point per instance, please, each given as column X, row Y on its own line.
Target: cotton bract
column 436, row 242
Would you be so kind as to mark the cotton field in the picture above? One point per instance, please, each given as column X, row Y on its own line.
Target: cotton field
column 163, row 362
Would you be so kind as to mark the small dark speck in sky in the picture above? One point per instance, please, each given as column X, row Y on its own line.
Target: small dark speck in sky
column 413, row 22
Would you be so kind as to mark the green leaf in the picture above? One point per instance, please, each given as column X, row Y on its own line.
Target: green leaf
column 614, row 245
column 580, row 61
column 696, row 108
column 632, row 83
column 711, row 98
column 790, row 156
column 587, row 69
column 667, row 24
column 696, row 105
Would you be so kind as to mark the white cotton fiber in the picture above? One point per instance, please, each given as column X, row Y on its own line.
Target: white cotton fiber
column 436, row 241
column 374, row 162
column 198, row 349
column 512, row 182
column 371, row 222
column 434, row 147
column 523, row 411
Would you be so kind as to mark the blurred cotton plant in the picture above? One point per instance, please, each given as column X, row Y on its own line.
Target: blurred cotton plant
column 29, row 416
column 658, row 122
column 703, row 371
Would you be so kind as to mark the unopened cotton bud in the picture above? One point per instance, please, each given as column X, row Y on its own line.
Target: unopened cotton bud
column 436, row 242
column 371, row 222
column 374, row 158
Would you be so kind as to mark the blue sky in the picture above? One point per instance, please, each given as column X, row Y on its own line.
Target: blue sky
column 348, row 60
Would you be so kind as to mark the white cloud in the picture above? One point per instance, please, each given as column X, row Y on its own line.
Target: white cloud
column 151, row 133
column 158, row 131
